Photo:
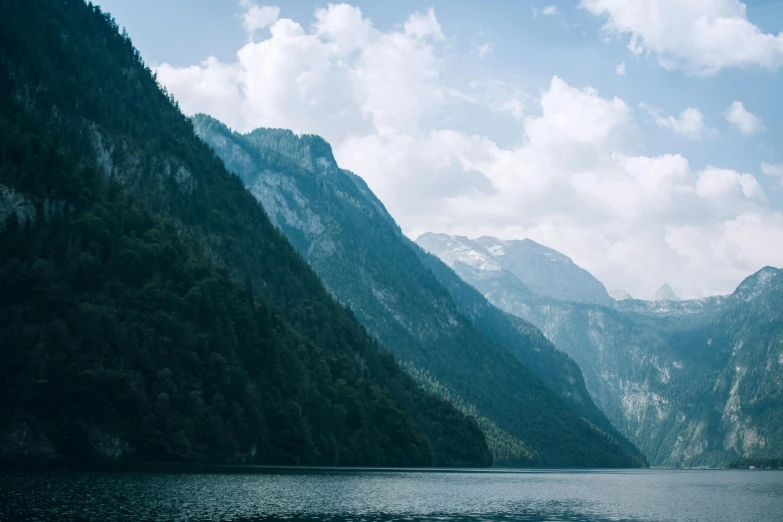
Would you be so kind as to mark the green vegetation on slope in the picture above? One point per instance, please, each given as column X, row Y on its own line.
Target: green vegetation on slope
column 337, row 224
column 558, row 371
column 148, row 307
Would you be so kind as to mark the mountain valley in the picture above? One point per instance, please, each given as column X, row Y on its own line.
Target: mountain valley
column 691, row 383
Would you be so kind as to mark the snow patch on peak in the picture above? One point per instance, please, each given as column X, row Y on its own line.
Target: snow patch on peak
column 496, row 250
column 453, row 249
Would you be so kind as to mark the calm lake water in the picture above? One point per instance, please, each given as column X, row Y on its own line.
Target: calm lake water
column 364, row 495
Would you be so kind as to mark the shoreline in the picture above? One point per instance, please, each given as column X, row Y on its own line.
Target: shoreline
column 196, row 468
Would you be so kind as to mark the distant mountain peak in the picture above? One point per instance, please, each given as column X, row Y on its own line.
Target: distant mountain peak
column 666, row 293
column 495, row 246
column 755, row 284
column 310, row 151
column 458, row 249
column 543, row 270
column 619, row 295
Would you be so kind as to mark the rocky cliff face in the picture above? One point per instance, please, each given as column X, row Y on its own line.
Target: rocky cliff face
column 692, row 383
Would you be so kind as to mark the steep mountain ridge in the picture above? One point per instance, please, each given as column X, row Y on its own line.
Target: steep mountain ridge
column 691, row 383
column 344, row 232
column 148, row 307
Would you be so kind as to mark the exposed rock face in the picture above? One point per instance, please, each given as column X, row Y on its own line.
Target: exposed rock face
column 692, row 383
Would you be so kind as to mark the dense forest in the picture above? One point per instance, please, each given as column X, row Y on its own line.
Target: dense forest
column 478, row 361
column 148, row 307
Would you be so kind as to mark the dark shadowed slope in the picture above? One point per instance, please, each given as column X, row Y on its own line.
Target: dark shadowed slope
column 148, row 307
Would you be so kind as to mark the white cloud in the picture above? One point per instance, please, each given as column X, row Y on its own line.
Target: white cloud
column 483, row 49
column 744, row 244
column 575, row 185
column 727, row 187
column 745, row 121
column 258, row 17
column 697, row 36
column 689, row 123
column 573, row 117
column 211, row 87
column 501, row 97
column 424, row 25
column 551, row 10
column 773, row 170
column 574, row 179
column 620, row 69
column 342, row 76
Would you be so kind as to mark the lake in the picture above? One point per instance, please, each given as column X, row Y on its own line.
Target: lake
column 406, row 495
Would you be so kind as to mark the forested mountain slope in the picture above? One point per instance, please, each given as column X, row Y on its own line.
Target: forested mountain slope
column 148, row 307
column 692, row 383
column 558, row 371
column 333, row 219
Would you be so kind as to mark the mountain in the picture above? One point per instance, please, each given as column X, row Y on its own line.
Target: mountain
column 691, row 383
column 619, row 295
column 558, row 371
column 666, row 293
column 459, row 347
column 544, row 271
column 149, row 309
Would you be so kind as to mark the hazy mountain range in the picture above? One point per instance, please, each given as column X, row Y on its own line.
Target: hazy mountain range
column 692, row 383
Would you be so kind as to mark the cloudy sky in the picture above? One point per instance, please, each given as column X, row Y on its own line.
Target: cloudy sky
column 640, row 137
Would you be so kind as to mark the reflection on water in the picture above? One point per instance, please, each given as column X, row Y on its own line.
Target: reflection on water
column 364, row 495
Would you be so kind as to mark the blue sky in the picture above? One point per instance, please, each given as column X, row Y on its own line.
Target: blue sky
column 510, row 118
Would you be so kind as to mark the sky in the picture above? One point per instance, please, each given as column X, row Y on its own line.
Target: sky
column 640, row 138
